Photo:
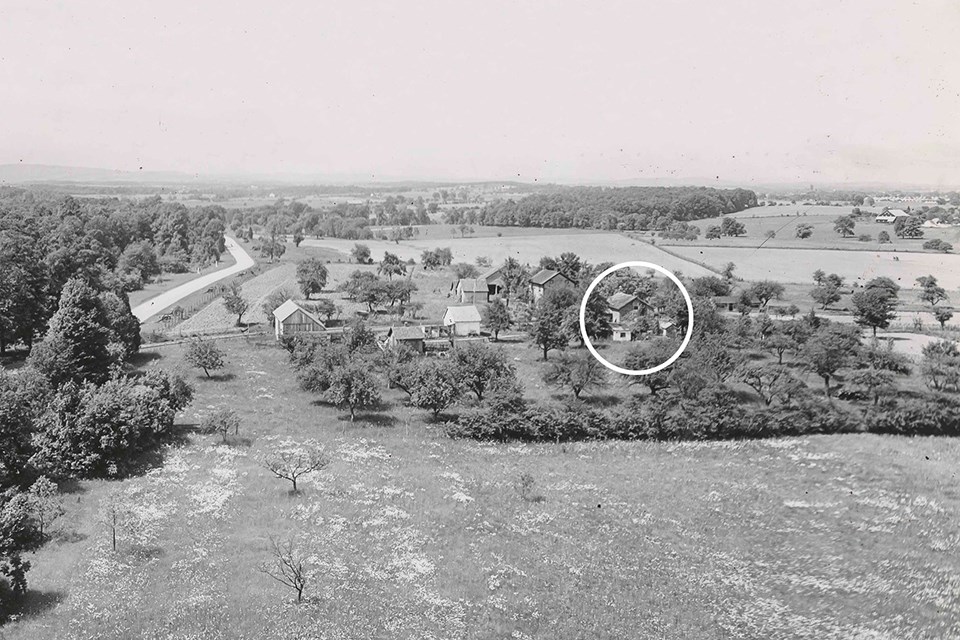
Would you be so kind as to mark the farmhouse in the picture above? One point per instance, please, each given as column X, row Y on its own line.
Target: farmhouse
column 891, row 215
column 545, row 280
column 463, row 321
column 726, row 303
column 410, row 337
column 473, row 290
column 622, row 304
column 292, row 319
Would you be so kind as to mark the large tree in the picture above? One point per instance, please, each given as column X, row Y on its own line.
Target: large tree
column 874, row 308
column 830, row 349
column 311, row 277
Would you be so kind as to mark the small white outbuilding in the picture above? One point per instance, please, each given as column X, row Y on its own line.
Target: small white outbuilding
column 464, row 321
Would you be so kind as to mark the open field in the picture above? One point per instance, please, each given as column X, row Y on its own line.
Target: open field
column 528, row 249
column 784, row 224
column 415, row 535
column 795, row 265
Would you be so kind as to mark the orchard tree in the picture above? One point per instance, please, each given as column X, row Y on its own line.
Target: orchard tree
column 273, row 301
column 647, row 355
column 222, row 422
column 353, row 386
column 930, row 291
column 205, row 355
column 391, row 265
column 943, row 315
column 575, row 372
column 874, row 308
column 883, row 237
column 765, row 291
column 291, row 460
column 498, row 317
column 292, row 564
column 311, row 277
column 481, row 368
column 830, row 349
column 876, row 382
column 234, row 301
column 436, row 387
column 771, row 382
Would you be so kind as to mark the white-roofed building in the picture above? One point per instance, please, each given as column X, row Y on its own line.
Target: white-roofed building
column 463, row 321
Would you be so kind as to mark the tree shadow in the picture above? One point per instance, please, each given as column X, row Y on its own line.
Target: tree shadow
column 36, row 602
column 143, row 358
column 71, row 486
column 244, row 442
column 601, row 400
column 219, row 377
column 370, row 419
column 68, row 537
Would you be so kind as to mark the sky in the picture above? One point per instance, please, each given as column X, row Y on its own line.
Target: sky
column 837, row 91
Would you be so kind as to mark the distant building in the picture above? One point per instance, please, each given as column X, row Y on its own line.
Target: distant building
column 726, row 303
column 891, row 215
column 667, row 327
column 621, row 333
column 546, row 280
column 292, row 319
column 473, row 290
column 410, row 337
column 620, row 305
column 463, row 321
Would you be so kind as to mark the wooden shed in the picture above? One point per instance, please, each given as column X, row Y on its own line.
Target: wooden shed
column 409, row 337
column 292, row 319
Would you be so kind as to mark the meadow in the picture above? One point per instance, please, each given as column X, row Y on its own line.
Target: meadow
column 409, row 534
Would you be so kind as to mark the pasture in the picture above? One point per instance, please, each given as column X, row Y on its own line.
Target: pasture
column 413, row 535
column 594, row 247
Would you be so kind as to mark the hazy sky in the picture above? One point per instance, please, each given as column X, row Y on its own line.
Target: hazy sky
column 750, row 91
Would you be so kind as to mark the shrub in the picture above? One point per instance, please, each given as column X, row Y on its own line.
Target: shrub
column 938, row 245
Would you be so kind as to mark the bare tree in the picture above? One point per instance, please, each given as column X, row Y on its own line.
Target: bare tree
column 288, row 566
column 292, row 461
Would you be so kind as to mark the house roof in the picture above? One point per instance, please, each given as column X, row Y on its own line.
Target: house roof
column 407, row 333
column 666, row 324
column 726, row 299
column 290, row 307
column 468, row 313
column 473, row 285
column 546, row 275
column 896, row 213
column 491, row 273
column 619, row 300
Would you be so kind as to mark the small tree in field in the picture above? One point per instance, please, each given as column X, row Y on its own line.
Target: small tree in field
column 290, row 460
column 46, row 503
column 575, row 372
column 498, row 317
column 353, row 386
column 221, row 421
column 205, row 355
column 235, row 302
column 943, row 315
column 311, row 277
column 289, row 565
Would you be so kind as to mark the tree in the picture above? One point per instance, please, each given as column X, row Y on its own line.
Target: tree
column 46, row 503
column 828, row 350
column 942, row 315
column 728, row 271
column 272, row 248
column 779, row 343
column 732, row 227
column 765, row 291
column 221, row 421
column 391, row 265
column 297, row 237
column 596, row 318
column 647, row 355
column 205, row 355
column 290, row 565
column 931, row 292
column 713, row 232
column 938, row 245
column 290, row 460
column 234, row 301
column 576, row 372
column 874, row 307
column 548, row 331
column 360, row 253
column 325, row 308
column 436, row 387
column 311, row 276
column 803, row 230
column 481, row 367
column 23, row 287
column 844, row 226
column 124, row 326
column 771, row 382
column 498, row 317
column 77, row 343
column 911, row 227
column 429, row 259
column 883, row 237
column 353, row 386
column 940, row 366
column 273, row 301
column 465, row 270
column 876, row 382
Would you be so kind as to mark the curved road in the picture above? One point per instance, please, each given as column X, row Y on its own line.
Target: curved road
column 158, row 303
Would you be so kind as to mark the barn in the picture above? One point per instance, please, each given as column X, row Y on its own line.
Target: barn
column 409, row 337
column 463, row 321
column 545, row 280
column 473, row 290
column 292, row 319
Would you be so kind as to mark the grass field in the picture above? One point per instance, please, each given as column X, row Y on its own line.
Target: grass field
column 414, row 535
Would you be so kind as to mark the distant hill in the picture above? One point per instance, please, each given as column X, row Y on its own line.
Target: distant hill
column 33, row 173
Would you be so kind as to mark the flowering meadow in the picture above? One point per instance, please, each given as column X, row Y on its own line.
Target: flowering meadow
column 408, row 534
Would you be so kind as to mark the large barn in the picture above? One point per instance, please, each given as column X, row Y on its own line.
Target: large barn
column 292, row 319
